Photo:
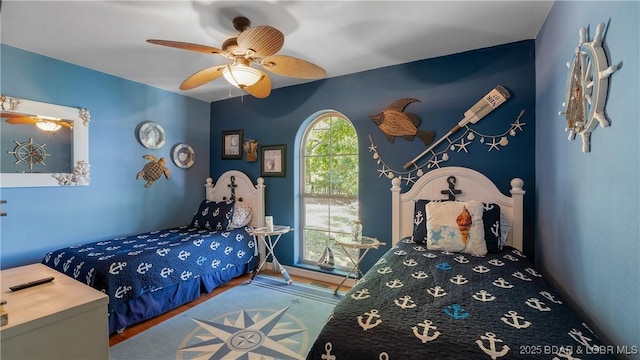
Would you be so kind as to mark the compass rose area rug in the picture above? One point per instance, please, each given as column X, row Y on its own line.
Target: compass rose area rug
column 266, row 319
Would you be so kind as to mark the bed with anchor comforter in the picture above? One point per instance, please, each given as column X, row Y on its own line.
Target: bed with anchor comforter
column 416, row 303
column 147, row 274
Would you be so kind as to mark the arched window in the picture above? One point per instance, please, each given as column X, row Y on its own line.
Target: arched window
column 328, row 187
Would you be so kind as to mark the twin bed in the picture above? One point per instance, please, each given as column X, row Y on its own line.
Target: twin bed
column 150, row 273
column 439, row 294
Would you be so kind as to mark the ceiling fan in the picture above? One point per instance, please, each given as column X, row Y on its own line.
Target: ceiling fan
column 258, row 45
column 42, row 122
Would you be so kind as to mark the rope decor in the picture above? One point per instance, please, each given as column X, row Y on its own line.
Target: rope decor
column 451, row 192
column 232, row 185
column 458, row 144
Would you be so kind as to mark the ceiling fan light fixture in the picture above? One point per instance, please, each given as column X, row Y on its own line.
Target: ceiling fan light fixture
column 259, row 45
column 241, row 75
column 48, row 126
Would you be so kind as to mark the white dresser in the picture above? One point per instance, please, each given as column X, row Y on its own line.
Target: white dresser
column 62, row 319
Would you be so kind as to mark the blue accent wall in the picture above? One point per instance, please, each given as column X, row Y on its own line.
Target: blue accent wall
column 588, row 227
column 42, row 219
column 446, row 87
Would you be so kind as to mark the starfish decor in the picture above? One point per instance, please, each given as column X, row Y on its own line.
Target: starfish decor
column 493, row 142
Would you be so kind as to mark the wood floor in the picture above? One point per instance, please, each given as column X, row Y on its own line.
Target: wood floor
column 138, row 328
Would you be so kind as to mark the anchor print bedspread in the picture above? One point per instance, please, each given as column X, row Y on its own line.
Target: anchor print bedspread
column 127, row 267
column 416, row 303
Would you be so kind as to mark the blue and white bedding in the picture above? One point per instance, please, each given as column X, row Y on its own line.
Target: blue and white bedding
column 127, row 267
column 416, row 303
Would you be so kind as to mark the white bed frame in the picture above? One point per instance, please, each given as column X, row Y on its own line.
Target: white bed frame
column 474, row 186
column 245, row 191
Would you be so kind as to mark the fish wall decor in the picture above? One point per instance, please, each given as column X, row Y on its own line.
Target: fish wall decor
column 394, row 122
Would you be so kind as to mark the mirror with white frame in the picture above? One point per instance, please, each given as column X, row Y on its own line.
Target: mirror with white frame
column 43, row 144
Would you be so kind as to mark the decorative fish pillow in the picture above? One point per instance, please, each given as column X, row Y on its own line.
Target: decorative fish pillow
column 456, row 226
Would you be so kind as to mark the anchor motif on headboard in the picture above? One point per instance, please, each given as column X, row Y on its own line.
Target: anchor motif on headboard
column 232, row 185
column 451, row 191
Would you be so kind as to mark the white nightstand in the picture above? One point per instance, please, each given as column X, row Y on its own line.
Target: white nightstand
column 62, row 319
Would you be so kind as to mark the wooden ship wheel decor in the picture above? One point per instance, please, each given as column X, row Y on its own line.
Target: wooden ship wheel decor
column 29, row 153
column 587, row 85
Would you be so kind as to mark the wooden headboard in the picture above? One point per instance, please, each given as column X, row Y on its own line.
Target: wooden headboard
column 469, row 185
column 236, row 184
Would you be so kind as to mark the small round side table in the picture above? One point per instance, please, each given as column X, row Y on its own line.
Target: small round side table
column 366, row 244
column 266, row 235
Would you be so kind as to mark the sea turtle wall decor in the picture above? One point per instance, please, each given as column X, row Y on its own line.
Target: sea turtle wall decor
column 153, row 170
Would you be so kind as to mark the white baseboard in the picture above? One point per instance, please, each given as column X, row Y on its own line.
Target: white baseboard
column 315, row 275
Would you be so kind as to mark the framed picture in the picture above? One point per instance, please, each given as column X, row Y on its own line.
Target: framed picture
column 274, row 160
column 232, row 144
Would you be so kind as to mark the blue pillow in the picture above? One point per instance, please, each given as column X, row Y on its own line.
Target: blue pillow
column 212, row 215
column 420, row 221
column 491, row 220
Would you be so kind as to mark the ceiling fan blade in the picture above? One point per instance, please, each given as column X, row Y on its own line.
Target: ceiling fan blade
column 262, row 88
column 7, row 115
column 187, row 46
column 64, row 124
column 293, row 67
column 202, row 77
column 19, row 120
column 262, row 40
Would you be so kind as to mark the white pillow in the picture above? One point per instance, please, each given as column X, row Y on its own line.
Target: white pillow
column 241, row 215
column 456, row 226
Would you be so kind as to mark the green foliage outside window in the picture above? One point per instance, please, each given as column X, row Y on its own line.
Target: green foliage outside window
column 330, row 187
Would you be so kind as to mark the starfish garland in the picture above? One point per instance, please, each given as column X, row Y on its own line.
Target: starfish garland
column 458, row 144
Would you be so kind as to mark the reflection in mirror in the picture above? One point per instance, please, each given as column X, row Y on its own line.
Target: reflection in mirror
column 42, row 144
column 38, row 145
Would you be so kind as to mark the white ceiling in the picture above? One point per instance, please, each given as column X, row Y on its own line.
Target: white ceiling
column 343, row 37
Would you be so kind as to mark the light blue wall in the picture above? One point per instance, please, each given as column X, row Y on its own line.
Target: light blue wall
column 43, row 219
column 588, row 229
column 446, row 88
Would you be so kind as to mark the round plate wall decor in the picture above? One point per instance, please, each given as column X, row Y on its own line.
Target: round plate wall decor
column 183, row 156
column 151, row 135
